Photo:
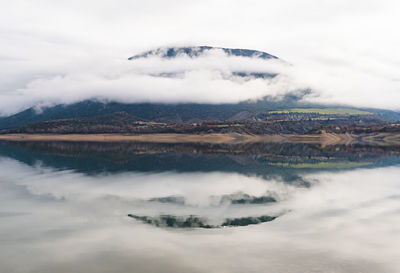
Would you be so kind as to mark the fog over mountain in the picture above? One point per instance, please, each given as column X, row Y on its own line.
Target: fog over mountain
column 188, row 75
column 72, row 51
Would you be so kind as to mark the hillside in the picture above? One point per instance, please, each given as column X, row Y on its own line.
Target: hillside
column 261, row 123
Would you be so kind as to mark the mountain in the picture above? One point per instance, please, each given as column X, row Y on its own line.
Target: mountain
column 201, row 51
column 289, row 108
column 193, row 52
column 194, row 113
column 262, row 117
column 188, row 112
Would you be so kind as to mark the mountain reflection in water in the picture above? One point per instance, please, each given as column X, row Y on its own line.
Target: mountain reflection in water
column 143, row 207
column 252, row 158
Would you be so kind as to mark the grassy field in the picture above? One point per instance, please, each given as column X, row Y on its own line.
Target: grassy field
column 323, row 111
column 322, row 165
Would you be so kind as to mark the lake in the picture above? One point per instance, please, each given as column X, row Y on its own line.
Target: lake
column 146, row 207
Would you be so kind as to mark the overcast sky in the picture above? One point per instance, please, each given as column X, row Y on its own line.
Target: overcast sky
column 65, row 51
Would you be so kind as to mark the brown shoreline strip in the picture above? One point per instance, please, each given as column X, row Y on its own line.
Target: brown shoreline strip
column 322, row 139
column 176, row 138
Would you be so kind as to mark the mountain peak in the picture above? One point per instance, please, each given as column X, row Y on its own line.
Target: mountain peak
column 197, row 51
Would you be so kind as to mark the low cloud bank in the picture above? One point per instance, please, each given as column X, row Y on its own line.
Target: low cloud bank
column 211, row 78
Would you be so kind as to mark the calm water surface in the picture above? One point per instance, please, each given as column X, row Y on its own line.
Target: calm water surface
column 128, row 207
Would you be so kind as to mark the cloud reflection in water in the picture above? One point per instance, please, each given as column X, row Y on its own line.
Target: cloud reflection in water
column 56, row 220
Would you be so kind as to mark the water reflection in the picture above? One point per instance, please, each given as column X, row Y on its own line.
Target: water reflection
column 261, row 159
column 90, row 207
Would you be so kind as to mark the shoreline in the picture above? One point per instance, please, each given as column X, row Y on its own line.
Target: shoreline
column 325, row 139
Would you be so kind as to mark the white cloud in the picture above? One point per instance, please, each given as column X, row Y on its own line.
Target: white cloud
column 207, row 79
column 346, row 220
column 64, row 51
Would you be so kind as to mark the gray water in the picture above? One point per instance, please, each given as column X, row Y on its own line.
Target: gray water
column 101, row 207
